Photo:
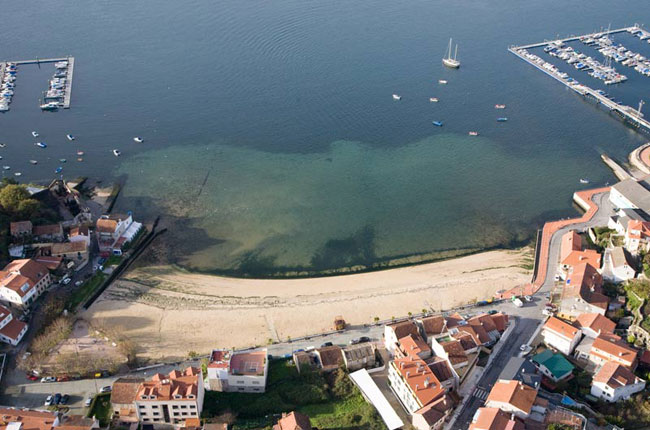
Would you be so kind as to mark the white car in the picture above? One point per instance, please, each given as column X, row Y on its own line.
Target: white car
column 78, row 283
column 48, row 379
column 88, row 402
column 528, row 298
column 66, row 281
column 523, row 347
column 49, row 401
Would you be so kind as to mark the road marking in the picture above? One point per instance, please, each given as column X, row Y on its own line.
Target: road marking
column 480, row 393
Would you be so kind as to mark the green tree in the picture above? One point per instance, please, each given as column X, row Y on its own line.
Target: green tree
column 17, row 202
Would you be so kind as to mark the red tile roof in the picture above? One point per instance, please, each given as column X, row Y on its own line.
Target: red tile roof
column 413, row 345
column 293, row 421
column 595, row 322
column 571, row 241
column 615, row 375
column 166, row 388
column 455, row 351
column 514, row 393
column 561, row 328
column 495, row 419
column 434, row 325
column 416, row 374
column 13, row 329
column 586, row 283
column 404, row 328
column 435, row 411
column 588, row 256
column 611, row 348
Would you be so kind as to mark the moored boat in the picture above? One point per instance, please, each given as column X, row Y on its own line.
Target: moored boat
column 58, row 169
column 396, row 97
column 138, row 139
column 473, row 133
column 70, row 137
column 452, row 63
column 80, row 153
column 117, row 153
column 62, row 160
column 584, row 181
column 433, row 99
column 499, row 106
column 442, row 81
column 33, row 161
column 41, row 144
column 437, row 123
column 35, row 134
column 504, row 119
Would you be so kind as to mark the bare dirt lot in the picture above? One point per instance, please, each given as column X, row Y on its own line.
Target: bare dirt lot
column 169, row 313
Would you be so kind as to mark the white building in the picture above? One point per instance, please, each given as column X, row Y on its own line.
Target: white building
column 433, row 415
column 114, row 231
column 629, row 194
column 413, row 383
column 238, row 371
column 617, row 266
column 11, row 329
column 512, row 396
column 394, row 332
column 23, row 281
column 170, row 399
column 614, row 382
column 560, row 335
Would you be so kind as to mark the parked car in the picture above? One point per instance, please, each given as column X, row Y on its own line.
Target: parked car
column 353, row 341
column 492, row 312
column 523, row 347
column 364, row 339
column 49, row 400
column 48, row 379
column 65, row 399
column 528, row 298
column 57, row 398
column 106, row 389
column 327, row 344
column 63, row 378
column 78, row 283
column 66, row 281
column 32, row 377
column 88, row 402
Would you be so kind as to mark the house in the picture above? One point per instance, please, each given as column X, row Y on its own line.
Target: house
column 20, row 229
column 618, row 266
column 520, row 369
column 293, row 421
column 48, row 232
column 614, row 382
column 72, row 252
column 23, row 281
column 413, row 383
column 571, row 242
column 26, row 419
column 12, row 330
column 238, row 371
column 553, row 366
column 622, row 218
column 444, row 372
column 486, row 323
column 414, row 345
column 79, row 234
column 513, row 397
column 572, row 254
column 433, row 415
column 593, row 324
column 637, row 236
column 467, row 341
column 433, row 327
column 582, row 292
column 394, row 332
column 452, row 351
column 630, row 194
column 330, row 358
column 123, row 396
column 170, row 399
column 303, row 360
column 114, row 231
column 560, row 335
column 495, row 419
column 359, row 356
column 607, row 347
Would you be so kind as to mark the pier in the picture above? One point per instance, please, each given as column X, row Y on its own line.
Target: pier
column 68, row 85
column 627, row 113
column 574, row 38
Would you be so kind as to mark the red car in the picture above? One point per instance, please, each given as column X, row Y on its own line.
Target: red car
column 32, row 377
column 62, row 379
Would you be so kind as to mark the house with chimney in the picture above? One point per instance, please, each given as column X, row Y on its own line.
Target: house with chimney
column 582, row 293
column 23, row 281
column 637, row 236
column 433, row 327
column 618, row 266
column 233, row 371
column 394, row 332
column 359, row 356
column 513, row 397
column 413, row 383
column 614, row 382
column 495, row 419
column 593, row 324
column 28, row 419
column 611, row 348
column 560, row 335
column 123, row 396
column 414, row 345
column 293, row 421
column 433, row 415
column 170, row 399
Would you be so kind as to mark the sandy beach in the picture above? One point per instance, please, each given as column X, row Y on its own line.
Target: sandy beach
column 170, row 313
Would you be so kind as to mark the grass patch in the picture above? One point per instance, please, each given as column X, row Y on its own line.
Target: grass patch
column 113, row 260
column 101, row 409
column 332, row 401
column 85, row 290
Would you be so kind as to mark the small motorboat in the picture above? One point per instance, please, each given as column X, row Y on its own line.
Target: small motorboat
column 58, row 169
column 437, row 123
column 138, row 139
column 33, row 161
column 584, row 181
column 2, row 145
column 80, row 153
column 34, row 134
column 502, row 119
column 395, row 97
column 499, row 106
column 17, row 174
column 433, row 99
column 70, row 137
column 116, row 153
column 41, row 144
column 473, row 133
column 442, row 81
column 6, row 167
column 80, row 159
column 63, row 160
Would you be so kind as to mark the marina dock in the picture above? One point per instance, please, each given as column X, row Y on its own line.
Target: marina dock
column 574, row 38
column 68, row 84
column 627, row 113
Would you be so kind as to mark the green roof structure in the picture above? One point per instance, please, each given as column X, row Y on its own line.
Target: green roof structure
column 556, row 364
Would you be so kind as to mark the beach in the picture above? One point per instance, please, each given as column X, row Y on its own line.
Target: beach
column 159, row 305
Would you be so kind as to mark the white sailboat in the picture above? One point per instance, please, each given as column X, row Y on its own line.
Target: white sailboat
column 451, row 62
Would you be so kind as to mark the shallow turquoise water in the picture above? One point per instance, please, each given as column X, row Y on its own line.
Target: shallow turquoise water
column 271, row 138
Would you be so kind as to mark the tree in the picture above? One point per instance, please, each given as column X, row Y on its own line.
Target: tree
column 17, row 202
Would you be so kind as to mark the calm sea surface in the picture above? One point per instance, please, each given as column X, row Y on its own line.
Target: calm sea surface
column 272, row 142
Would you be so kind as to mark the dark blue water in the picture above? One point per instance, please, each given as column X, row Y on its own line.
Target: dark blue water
column 272, row 142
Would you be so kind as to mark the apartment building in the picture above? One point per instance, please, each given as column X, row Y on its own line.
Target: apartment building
column 238, row 371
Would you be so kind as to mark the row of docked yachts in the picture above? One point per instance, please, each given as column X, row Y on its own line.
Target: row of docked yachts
column 7, row 81
column 580, row 61
column 620, row 53
column 53, row 97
